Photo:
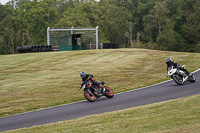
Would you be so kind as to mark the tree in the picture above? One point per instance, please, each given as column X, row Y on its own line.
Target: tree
column 137, row 9
column 40, row 15
column 172, row 24
column 192, row 26
column 186, row 16
column 114, row 21
column 172, row 41
column 13, row 30
column 156, row 21
column 75, row 16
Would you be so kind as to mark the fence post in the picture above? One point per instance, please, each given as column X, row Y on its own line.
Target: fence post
column 101, row 45
column 97, row 37
column 48, row 41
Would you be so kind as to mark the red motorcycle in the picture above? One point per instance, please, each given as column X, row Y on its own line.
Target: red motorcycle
column 95, row 91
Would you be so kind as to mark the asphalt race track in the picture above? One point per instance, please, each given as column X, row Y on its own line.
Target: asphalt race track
column 147, row 95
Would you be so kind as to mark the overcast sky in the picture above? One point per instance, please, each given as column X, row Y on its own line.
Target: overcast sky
column 3, row 2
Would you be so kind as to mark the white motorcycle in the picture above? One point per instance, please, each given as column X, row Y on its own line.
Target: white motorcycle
column 180, row 76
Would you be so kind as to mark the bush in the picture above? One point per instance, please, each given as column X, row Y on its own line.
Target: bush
column 171, row 41
column 198, row 47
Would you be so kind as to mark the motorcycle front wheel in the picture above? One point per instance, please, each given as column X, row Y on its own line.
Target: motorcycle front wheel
column 177, row 79
column 108, row 92
column 88, row 96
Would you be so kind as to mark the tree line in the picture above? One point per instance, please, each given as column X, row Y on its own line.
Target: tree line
column 154, row 24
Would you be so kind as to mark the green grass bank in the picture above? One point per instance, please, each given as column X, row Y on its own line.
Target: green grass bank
column 41, row 80
column 174, row 116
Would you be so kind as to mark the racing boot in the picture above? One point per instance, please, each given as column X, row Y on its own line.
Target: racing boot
column 189, row 75
column 103, row 90
column 185, row 77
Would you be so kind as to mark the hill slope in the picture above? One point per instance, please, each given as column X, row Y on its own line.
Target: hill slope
column 39, row 80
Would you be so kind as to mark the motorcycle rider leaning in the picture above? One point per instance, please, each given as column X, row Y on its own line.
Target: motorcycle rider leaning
column 88, row 78
column 171, row 63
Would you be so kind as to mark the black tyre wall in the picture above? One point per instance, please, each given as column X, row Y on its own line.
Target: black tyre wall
column 34, row 48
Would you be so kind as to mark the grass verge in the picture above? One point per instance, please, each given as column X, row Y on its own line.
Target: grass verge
column 40, row 80
column 174, row 116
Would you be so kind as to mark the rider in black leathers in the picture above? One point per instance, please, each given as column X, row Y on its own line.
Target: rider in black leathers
column 171, row 63
column 89, row 79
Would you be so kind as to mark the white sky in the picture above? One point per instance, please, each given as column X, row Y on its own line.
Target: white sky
column 3, row 2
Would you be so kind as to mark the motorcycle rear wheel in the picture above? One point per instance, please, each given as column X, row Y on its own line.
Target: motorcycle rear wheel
column 108, row 92
column 192, row 78
column 177, row 79
column 89, row 97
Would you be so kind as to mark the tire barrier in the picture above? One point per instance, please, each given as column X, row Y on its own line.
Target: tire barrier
column 35, row 48
column 110, row 45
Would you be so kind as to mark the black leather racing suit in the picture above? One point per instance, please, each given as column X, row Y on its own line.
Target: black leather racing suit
column 176, row 65
column 90, row 80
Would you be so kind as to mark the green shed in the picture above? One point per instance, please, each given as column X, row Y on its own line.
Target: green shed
column 69, row 39
column 70, row 42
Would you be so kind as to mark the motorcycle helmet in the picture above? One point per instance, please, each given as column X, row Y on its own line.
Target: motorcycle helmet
column 168, row 60
column 83, row 74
